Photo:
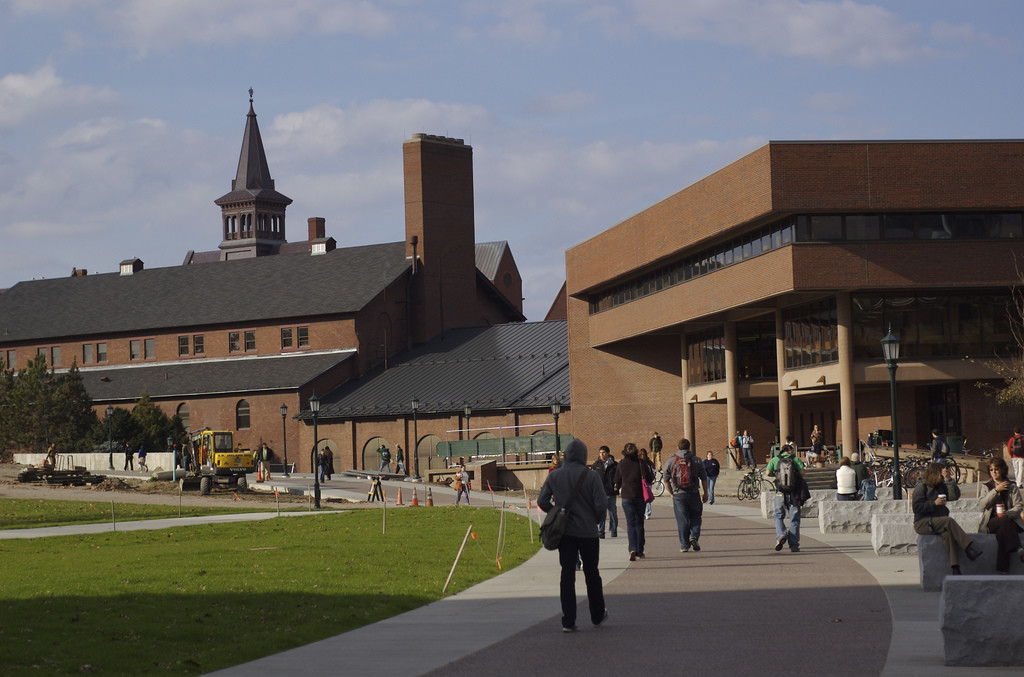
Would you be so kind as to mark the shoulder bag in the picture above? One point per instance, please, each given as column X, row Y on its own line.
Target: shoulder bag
column 553, row 527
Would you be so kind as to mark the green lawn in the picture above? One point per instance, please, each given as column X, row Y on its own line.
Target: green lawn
column 31, row 513
column 194, row 599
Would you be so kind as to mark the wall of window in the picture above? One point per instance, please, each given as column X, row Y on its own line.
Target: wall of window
column 811, row 335
column 949, row 325
column 755, row 351
column 705, row 357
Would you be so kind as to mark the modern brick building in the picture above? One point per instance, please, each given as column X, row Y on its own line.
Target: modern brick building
column 757, row 298
column 230, row 336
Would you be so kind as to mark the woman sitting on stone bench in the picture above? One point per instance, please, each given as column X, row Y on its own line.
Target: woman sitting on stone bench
column 931, row 516
column 1006, row 525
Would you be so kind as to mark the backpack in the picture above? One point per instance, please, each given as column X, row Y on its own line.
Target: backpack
column 786, row 474
column 684, row 475
column 941, row 448
column 867, row 489
column 1017, row 449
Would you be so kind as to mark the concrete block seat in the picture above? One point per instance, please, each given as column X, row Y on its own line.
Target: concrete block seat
column 811, row 507
column 979, row 627
column 893, row 533
column 934, row 564
column 854, row 517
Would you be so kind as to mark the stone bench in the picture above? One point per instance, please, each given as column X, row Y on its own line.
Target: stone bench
column 810, row 508
column 893, row 533
column 934, row 563
column 979, row 626
column 854, row 517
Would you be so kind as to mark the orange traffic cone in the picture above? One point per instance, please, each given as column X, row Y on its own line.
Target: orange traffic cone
column 415, row 499
column 399, row 501
column 430, row 498
column 259, row 474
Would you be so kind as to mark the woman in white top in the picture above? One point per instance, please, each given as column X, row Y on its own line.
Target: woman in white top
column 846, row 481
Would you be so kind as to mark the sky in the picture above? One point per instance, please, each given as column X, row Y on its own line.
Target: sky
column 121, row 120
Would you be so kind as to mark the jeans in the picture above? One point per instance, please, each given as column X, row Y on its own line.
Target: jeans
column 571, row 550
column 633, row 512
column 689, row 514
column 712, row 481
column 385, row 466
column 464, row 491
column 748, row 456
column 783, row 512
column 612, row 516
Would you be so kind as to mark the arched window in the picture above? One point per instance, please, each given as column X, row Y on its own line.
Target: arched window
column 241, row 415
column 182, row 412
column 371, row 460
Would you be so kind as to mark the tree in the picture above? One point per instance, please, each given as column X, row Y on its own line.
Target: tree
column 1010, row 368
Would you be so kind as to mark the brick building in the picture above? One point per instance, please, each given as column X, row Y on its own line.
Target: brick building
column 757, row 298
column 230, row 336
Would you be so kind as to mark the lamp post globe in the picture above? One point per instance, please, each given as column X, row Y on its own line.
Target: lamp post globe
column 284, row 436
column 891, row 354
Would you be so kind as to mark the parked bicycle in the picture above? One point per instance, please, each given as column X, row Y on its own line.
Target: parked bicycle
column 752, row 484
column 658, row 485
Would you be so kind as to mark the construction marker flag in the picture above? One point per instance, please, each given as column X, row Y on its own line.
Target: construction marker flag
column 499, row 563
column 489, row 488
column 472, row 535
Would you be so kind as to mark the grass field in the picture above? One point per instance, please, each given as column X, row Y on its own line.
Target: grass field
column 194, row 599
column 32, row 513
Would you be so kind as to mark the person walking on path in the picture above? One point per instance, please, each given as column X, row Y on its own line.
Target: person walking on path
column 1015, row 447
column 129, row 457
column 649, row 470
column 580, row 540
column 461, row 484
column 712, row 468
column 265, row 461
column 747, row 444
column 605, row 467
column 931, row 516
column 787, row 470
column 938, row 447
column 1002, row 516
column 655, row 444
column 142, row 459
column 627, row 481
column 385, row 459
column 399, row 459
column 685, row 476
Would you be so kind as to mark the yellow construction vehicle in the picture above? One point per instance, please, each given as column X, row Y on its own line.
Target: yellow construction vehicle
column 217, row 459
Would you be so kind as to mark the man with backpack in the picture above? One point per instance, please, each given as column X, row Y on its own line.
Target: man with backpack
column 787, row 470
column 1016, row 448
column 686, row 476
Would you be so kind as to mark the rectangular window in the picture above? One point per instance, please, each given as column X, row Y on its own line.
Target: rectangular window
column 42, row 351
column 234, row 343
column 135, row 349
column 149, row 346
column 826, row 227
column 11, row 360
column 101, row 352
column 55, row 356
column 898, row 226
column 862, row 227
column 182, row 346
column 303, row 337
column 933, row 227
column 1005, row 225
column 250, row 341
column 286, row 338
column 88, row 353
column 198, row 344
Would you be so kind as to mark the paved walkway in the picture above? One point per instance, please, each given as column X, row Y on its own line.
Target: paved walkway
column 841, row 609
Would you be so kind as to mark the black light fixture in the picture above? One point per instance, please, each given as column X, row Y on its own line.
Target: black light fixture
column 110, row 438
column 284, row 436
column 314, row 406
column 891, row 354
column 415, row 404
column 556, row 409
column 467, row 411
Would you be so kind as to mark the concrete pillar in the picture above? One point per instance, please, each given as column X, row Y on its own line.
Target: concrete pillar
column 688, row 413
column 780, row 368
column 847, row 401
column 731, row 380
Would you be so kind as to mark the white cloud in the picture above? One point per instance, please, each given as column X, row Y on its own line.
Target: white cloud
column 25, row 98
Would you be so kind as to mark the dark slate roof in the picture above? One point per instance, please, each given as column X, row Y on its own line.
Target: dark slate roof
column 252, row 180
column 242, row 291
column 508, row 366
column 488, row 256
column 199, row 377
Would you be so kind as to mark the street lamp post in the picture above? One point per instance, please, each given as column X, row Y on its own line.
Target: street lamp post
column 556, row 409
column 415, row 404
column 467, row 412
column 314, row 406
column 891, row 353
column 284, row 437
column 110, row 438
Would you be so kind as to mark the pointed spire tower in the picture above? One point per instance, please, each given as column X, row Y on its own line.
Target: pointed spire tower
column 252, row 214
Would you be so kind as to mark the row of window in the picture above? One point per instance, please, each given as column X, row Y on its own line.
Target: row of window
column 242, row 418
column 145, row 349
column 817, row 228
column 241, row 226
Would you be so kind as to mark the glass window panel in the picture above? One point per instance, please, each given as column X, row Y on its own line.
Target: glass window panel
column 303, row 337
column 135, row 349
column 969, row 226
column 898, row 226
column 934, row 226
column 862, row 227
column 1006, row 225
column 198, row 344
column 826, row 227
column 234, row 342
column 149, row 346
column 101, row 352
column 55, row 356
column 88, row 356
column 182, row 346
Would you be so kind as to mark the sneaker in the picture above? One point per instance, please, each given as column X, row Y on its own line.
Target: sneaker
column 569, row 629
column 695, row 545
column 632, row 556
column 600, row 535
column 603, row 618
column 615, row 534
column 781, row 542
column 795, row 548
column 640, row 555
column 684, row 550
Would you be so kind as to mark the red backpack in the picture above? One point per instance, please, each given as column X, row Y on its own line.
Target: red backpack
column 684, row 475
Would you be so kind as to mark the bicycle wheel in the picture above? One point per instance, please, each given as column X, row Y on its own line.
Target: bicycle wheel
column 913, row 476
column 954, row 469
column 657, row 487
column 741, row 490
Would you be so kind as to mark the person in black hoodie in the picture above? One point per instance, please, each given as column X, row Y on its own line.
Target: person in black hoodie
column 580, row 541
column 627, row 480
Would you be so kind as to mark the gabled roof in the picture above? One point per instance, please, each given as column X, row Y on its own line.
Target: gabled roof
column 229, row 292
column 507, row 366
column 202, row 377
column 488, row 257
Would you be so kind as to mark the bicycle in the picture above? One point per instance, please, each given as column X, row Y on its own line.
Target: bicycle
column 658, row 485
column 752, row 484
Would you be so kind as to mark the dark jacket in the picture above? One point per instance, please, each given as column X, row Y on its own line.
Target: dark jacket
column 924, row 496
column 607, row 474
column 627, row 478
column 591, row 503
